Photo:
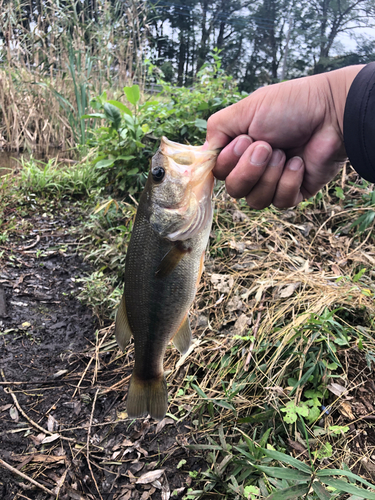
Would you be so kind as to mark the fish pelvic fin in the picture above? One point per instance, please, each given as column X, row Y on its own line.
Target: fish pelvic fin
column 122, row 328
column 182, row 338
column 147, row 397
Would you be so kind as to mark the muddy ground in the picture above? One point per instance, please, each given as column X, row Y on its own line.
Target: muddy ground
column 64, row 431
column 62, row 398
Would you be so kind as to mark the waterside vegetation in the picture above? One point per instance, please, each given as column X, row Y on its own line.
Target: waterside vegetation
column 283, row 322
column 278, row 389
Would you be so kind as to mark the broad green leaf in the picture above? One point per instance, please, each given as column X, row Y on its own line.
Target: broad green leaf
column 248, row 490
column 203, row 105
column 223, row 404
column 94, row 115
column 105, row 163
column 340, row 485
column 125, row 157
column 199, row 391
column 291, row 493
column 347, row 473
column 129, row 120
column 283, row 473
column 113, row 115
column 121, row 107
column 287, row 459
column 133, row 171
column 148, row 104
column 312, row 394
column 314, row 414
column 338, row 429
column 322, row 493
column 132, row 94
column 202, row 124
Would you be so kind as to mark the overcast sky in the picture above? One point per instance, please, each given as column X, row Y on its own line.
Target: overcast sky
column 349, row 42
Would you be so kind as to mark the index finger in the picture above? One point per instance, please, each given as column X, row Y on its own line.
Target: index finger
column 227, row 124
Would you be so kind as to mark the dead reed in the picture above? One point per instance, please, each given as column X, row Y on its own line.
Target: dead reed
column 55, row 58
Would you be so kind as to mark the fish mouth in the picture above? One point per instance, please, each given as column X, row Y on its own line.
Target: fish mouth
column 191, row 162
column 197, row 166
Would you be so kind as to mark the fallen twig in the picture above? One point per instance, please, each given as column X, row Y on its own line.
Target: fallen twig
column 254, row 335
column 30, row 246
column 34, row 424
column 88, row 444
column 27, row 478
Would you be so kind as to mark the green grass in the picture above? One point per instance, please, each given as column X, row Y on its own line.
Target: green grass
column 53, row 179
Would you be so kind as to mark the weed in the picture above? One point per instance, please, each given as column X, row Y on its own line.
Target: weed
column 52, row 179
column 132, row 133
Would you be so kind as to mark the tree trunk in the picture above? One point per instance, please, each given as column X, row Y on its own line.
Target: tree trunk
column 181, row 59
column 202, row 51
column 220, row 38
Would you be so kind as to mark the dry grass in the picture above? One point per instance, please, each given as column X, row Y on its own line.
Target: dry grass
column 271, row 271
column 282, row 292
column 278, row 289
column 50, row 71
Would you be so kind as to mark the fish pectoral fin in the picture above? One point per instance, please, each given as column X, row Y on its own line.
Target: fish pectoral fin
column 122, row 328
column 171, row 260
column 147, row 396
column 182, row 338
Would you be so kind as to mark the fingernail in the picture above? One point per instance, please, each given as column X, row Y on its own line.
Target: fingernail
column 295, row 163
column 260, row 155
column 275, row 158
column 205, row 146
column 241, row 145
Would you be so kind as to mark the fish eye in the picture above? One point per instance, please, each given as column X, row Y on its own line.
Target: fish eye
column 158, row 173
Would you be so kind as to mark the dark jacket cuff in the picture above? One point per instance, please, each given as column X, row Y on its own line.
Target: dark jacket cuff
column 359, row 123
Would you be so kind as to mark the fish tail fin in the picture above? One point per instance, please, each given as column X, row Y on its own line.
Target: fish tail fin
column 147, row 396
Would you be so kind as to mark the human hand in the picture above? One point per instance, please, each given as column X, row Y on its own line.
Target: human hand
column 285, row 140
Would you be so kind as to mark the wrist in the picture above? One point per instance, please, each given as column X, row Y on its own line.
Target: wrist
column 339, row 82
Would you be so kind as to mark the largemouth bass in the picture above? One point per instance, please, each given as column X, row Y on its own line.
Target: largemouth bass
column 163, row 266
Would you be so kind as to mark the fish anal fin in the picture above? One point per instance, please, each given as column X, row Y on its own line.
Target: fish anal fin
column 171, row 259
column 182, row 338
column 147, row 397
column 122, row 328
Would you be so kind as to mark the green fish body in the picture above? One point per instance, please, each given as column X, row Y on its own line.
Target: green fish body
column 163, row 267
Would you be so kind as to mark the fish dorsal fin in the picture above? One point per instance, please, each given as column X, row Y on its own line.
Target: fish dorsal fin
column 171, row 260
column 122, row 328
column 182, row 338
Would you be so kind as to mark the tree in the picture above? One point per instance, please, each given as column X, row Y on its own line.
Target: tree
column 324, row 20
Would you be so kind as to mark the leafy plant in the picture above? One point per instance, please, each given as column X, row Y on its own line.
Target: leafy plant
column 132, row 133
column 367, row 219
column 250, row 468
column 55, row 179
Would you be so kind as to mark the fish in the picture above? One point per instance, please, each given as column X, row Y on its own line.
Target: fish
column 163, row 267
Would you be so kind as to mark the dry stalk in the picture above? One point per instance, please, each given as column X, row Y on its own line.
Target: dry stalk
column 34, row 424
column 88, row 444
column 254, row 334
column 27, row 478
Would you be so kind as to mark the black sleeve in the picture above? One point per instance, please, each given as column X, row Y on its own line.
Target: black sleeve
column 359, row 123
